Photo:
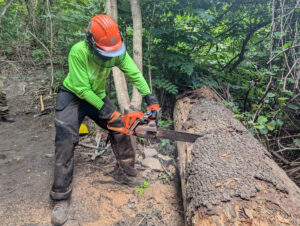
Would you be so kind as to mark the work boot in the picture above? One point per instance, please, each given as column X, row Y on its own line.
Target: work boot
column 7, row 118
column 60, row 213
column 132, row 181
column 128, row 166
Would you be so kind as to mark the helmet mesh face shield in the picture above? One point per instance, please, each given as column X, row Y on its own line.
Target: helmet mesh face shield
column 104, row 38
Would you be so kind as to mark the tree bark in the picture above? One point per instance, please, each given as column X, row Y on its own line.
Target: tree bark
column 30, row 4
column 136, row 99
column 227, row 176
column 119, row 78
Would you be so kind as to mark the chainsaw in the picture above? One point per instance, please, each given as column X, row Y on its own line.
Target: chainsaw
column 140, row 125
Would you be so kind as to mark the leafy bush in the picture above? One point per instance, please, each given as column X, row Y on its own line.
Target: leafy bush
column 38, row 55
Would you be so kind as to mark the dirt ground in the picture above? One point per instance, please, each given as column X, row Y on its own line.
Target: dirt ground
column 26, row 169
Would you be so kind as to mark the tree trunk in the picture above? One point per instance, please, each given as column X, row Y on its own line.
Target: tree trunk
column 119, row 78
column 30, row 4
column 112, row 9
column 227, row 176
column 136, row 99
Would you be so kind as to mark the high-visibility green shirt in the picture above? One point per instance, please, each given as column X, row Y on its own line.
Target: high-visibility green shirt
column 88, row 73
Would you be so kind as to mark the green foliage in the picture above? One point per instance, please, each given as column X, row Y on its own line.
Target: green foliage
column 166, row 178
column 167, row 146
column 144, row 141
column 59, row 76
column 165, row 124
column 296, row 142
column 38, row 55
column 166, row 85
column 269, row 123
column 293, row 106
column 142, row 187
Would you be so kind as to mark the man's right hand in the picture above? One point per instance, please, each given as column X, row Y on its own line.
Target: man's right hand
column 115, row 121
column 123, row 123
column 106, row 112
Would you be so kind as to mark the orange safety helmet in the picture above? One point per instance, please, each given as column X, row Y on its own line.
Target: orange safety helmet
column 104, row 37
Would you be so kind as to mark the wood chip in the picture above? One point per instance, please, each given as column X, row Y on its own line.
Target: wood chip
column 283, row 220
column 218, row 184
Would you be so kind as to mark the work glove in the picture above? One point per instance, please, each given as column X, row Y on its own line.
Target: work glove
column 115, row 122
column 106, row 111
column 152, row 106
column 113, row 117
column 118, row 122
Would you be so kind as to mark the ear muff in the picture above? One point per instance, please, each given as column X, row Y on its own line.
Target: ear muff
column 91, row 43
column 122, row 38
column 89, row 35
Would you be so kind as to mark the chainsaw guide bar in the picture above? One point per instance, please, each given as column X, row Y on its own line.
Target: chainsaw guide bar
column 178, row 136
column 150, row 130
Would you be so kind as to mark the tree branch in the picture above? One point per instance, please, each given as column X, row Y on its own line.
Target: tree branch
column 241, row 56
column 291, row 47
column 262, row 99
column 5, row 9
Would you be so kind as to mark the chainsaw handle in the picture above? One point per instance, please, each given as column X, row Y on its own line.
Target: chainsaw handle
column 129, row 121
column 137, row 123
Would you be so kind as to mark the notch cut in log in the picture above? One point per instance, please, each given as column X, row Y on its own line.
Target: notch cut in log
column 227, row 176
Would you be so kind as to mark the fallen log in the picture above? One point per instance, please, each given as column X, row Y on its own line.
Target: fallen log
column 227, row 176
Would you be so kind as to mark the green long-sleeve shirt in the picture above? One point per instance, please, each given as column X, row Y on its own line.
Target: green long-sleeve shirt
column 87, row 74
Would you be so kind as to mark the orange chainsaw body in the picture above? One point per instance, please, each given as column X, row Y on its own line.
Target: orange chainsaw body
column 130, row 121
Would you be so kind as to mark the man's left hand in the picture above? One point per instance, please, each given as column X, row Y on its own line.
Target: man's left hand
column 153, row 106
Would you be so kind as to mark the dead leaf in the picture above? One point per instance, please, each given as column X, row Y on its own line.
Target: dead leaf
column 218, row 184
column 230, row 129
column 224, row 155
column 17, row 158
column 172, row 169
column 230, row 182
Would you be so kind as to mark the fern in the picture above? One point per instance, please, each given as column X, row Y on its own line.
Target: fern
column 165, row 84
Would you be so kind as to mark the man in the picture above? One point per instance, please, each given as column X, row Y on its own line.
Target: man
column 4, row 111
column 83, row 94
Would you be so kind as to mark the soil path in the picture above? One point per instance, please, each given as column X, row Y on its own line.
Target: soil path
column 26, row 171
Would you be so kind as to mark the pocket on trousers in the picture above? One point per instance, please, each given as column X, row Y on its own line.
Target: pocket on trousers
column 64, row 99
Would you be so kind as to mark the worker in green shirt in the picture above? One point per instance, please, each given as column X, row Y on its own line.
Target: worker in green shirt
column 83, row 94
